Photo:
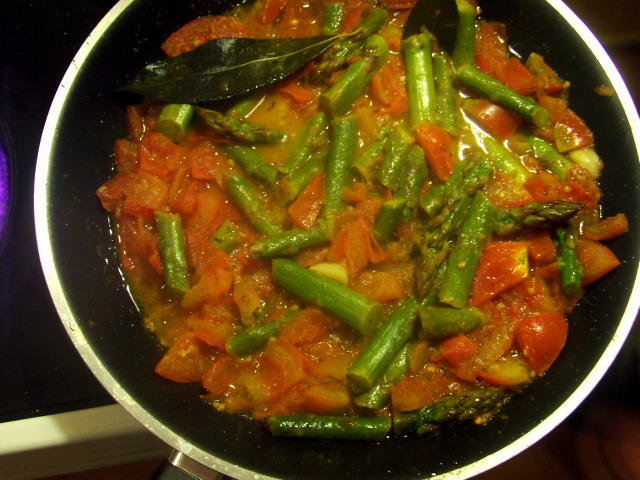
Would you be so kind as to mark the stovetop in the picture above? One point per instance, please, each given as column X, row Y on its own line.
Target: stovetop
column 40, row 372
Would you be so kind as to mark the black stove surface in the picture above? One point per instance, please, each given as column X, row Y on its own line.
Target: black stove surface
column 40, row 371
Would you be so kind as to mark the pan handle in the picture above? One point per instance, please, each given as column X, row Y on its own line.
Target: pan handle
column 180, row 467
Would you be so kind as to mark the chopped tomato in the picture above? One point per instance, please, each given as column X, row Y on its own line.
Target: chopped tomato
column 413, row 391
column 206, row 162
column 200, row 31
column 506, row 372
column 219, row 376
column 246, row 296
column 387, row 88
column 352, row 18
column 307, row 207
column 503, row 191
column 309, row 326
column 518, row 78
column 496, row 120
column 502, row 265
column 141, row 192
column 126, row 154
column 597, row 260
column 158, row 154
column 606, row 228
column 206, row 216
column 541, row 338
column 355, row 246
column 491, row 49
column 457, row 349
column 436, row 144
column 540, row 246
column 213, row 331
column 300, row 96
column 213, row 284
column 570, row 132
column 547, row 81
column 380, row 286
column 555, row 106
column 280, row 369
column 270, row 11
column 186, row 361
column 327, row 399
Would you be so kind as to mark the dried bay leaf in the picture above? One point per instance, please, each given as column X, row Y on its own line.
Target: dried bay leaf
column 226, row 67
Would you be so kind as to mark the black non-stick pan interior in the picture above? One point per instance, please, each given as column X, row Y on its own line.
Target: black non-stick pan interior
column 81, row 266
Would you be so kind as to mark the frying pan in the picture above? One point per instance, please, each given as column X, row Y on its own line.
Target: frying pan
column 80, row 262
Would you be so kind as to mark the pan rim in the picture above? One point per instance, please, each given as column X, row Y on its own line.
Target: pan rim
column 49, row 267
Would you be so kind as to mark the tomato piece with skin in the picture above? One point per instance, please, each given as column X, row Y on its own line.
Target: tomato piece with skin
column 597, row 260
column 200, row 31
column 187, row 360
column 570, row 132
column 220, row 375
column 305, row 209
column 518, row 78
column 457, row 349
column 496, row 120
column 507, row 371
column 607, row 228
column 502, row 265
column 436, row 144
column 270, row 11
column 158, row 155
column 541, row 338
column 327, row 399
column 379, row 286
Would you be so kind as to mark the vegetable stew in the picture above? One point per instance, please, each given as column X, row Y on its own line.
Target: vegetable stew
column 386, row 238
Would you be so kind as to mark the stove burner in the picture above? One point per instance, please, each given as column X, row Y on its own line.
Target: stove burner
column 5, row 181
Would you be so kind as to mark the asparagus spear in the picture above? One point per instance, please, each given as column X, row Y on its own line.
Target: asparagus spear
column 350, row 86
column 290, row 186
column 461, row 407
column 387, row 219
column 338, row 54
column 348, row 306
column 253, row 163
column 226, row 237
column 464, row 49
column 550, row 157
column 246, row 197
column 465, row 255
column 256, row 337
column 381, row 391
column 569, row 265
column 445, row 93
column 535, row 214
column 525, row 107
column 344, row 131
column 385, row 344
column 172, row 254
column 333, row 15
column 441, row 322
column 420, row 81
column 303, row 148
column 411, row 180
column 174, row 120
column 394, row 159
column 335, row 427
column 231, row 127
column 290, row 242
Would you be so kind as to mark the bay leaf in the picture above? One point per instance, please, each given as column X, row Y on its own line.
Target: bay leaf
column 440, row 17
column 226, row 67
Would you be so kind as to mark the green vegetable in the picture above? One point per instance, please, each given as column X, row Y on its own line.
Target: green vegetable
column 461, row 407
column 467, row 250
column 333, row 15
column 226, row 67
column 256, row 337
column 290, row 242
column 290, row 186
column 412, row 178
column 464, row 50
column 348, row 306
column 344, row 133
column 248, row 200
column 305, row 144
column 174, row 120
column 445, row 94
column 569, row 266
column 441, row 322
column 420, row 81
column 524, row 107
column 381, row 391
column 329, row 427
column 387, row 219
column 536, row 215
column 253, row 163
column 241, row 130
column 502, row 159
column 172, row 255
column 383, row 347
column 549, row 157
column 394, row 160
column 340, row 97
column 227, row 236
